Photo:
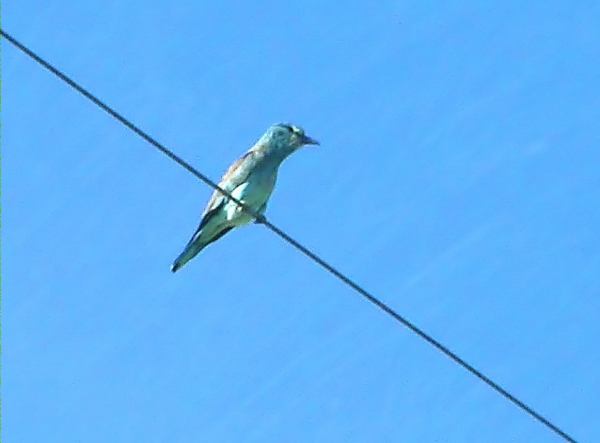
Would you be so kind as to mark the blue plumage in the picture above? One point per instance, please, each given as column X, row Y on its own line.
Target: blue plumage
column 251, row 180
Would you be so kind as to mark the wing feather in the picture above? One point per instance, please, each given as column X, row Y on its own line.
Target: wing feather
column 237, row 174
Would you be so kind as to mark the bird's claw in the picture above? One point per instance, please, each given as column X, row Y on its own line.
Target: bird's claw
column 260, row 219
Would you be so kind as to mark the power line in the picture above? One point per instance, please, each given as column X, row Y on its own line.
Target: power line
column 349, row 282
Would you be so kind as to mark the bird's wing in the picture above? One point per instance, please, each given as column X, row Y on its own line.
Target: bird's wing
column 237, row 174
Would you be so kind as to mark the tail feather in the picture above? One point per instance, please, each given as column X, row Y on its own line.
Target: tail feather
column 194, row 247
column 190, row 251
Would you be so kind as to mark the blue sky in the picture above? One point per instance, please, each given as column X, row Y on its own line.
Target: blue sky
column 457, row 178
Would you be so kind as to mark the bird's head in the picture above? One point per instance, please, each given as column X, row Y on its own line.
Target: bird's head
column 284, row 136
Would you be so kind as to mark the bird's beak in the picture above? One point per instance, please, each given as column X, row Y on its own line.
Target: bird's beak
column 309, row 141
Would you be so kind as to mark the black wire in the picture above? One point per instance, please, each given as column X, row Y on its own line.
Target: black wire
column 370, row 297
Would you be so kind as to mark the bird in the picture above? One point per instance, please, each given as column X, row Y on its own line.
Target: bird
column 250, row 180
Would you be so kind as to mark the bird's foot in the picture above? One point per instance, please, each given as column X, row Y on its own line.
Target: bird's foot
column 260, row 219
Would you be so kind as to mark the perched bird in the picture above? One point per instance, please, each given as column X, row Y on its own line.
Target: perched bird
column 250, row 180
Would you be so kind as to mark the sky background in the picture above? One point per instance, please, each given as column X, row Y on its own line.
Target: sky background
column 458, row 179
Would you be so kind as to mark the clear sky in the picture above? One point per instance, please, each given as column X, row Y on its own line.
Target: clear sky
column 458, row 178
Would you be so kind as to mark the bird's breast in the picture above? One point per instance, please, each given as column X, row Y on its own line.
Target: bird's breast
column 257, row 188
column 261, row 185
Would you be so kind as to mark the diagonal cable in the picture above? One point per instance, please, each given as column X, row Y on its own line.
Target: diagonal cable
column 324, row 264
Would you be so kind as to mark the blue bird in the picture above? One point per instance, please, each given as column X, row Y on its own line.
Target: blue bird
column 251, row 180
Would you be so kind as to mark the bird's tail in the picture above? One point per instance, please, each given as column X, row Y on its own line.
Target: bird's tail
column 195, row 246
column 190, row 251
